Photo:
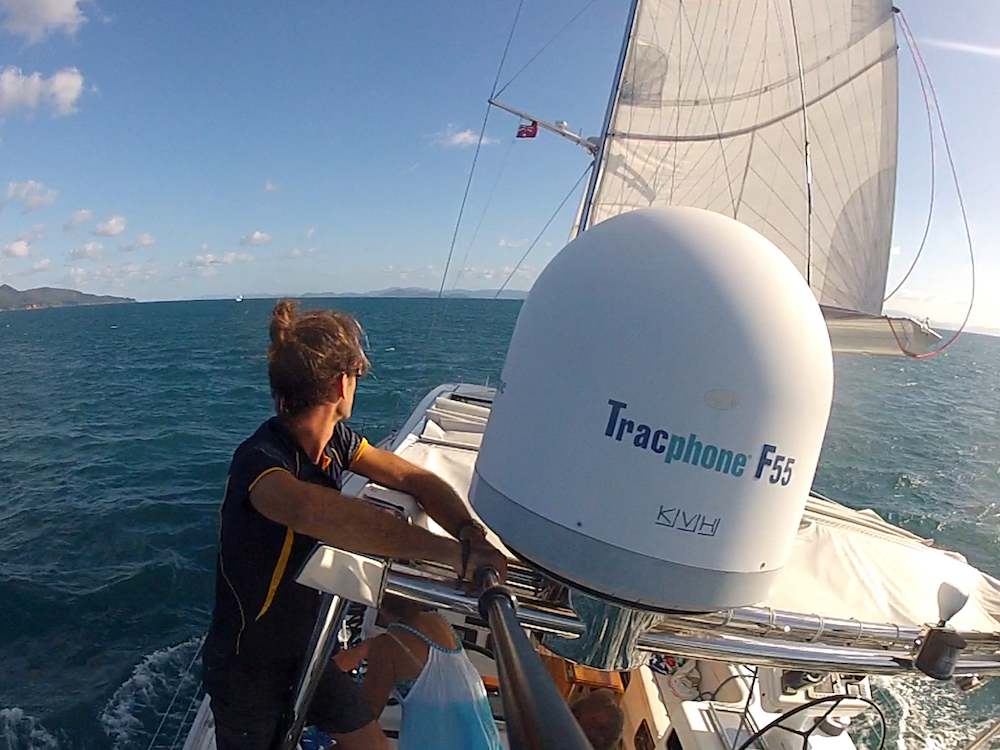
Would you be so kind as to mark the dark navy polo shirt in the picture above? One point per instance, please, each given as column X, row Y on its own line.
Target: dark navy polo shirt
column 261, row 613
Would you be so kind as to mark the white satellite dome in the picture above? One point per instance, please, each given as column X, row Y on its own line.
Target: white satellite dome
column 661, row 413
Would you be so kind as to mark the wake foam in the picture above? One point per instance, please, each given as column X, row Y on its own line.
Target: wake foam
column 168, row 681
column 18, row 731
column 923, row 714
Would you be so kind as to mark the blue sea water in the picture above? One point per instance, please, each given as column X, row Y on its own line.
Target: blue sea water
column 119, row 422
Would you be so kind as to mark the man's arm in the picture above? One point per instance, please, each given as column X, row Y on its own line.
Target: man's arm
column 348, row 523
column 434, row 494
column 436, row 497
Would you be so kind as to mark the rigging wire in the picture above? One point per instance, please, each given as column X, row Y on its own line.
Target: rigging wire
column 544, row 47
column 468, row 183
column 544, row 229
column 177, row 692
column 919, row 59
column 482, row 216
column 183, row 722
column 805, row 147
column 930, row 136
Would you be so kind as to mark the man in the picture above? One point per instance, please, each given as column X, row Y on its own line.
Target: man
column 282, row 495
column 600, row 718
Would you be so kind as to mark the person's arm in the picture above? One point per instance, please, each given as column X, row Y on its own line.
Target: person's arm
column 349, row 659
column 347, row 522
column 434, row 494
column 380, row 675
column 436, row 497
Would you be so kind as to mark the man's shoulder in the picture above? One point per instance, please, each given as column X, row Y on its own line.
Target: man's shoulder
column 268, row 439
column 265, row 449
column 345, row 445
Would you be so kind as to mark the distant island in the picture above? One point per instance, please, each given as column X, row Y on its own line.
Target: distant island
column 416, row 291
column 46, row 296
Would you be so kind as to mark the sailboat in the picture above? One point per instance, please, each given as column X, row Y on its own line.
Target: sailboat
column 781, row 115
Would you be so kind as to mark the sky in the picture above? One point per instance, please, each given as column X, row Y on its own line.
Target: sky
column 189, row 149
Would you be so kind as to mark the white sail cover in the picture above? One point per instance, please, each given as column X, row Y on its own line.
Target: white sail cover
column 710, row 114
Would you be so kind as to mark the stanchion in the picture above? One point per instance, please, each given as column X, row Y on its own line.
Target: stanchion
column 536, row 714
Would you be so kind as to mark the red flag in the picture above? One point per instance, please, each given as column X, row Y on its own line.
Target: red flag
column 528, row 131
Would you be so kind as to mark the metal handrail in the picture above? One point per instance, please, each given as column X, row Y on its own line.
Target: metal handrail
column 537, row 717
column 792, row 641
column 321, row 645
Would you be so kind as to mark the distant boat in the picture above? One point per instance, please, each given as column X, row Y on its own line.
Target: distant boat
column 239, row 298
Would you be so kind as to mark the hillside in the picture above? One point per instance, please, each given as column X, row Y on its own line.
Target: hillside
column 33, row 299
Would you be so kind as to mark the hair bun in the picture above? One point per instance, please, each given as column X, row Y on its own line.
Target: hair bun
column 282, row 319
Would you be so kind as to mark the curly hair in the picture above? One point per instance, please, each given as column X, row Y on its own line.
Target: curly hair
column 309, row 353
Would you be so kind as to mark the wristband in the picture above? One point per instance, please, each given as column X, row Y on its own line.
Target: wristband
column 470, row 523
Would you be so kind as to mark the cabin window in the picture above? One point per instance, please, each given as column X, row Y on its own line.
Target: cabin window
column 643, row 737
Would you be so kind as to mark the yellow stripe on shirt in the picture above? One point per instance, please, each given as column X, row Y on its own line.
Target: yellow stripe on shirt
column 279, row 571
column 361, row 449
column 264, row 474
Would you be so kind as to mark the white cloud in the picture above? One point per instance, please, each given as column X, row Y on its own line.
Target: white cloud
column 427, row 273
column 36, row 18
column 33, row 235
column 295, row 252
column 513, row 243
column 112, row 275
column 310, row 232
column 144, row 240
column 21, row 93
column 255, row 238
column 23, row 244
column 971, row 49
column 16, row 249
column 110, row 228
column 500, row 273
column 31, row 195
column 87, row 251
column 271, row 187
column 452, row 138
column 78, row 218
column 40, row 267
column 206, row 265
column 894, row 250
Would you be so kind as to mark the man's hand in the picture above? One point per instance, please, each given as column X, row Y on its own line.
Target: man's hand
column 480, row 555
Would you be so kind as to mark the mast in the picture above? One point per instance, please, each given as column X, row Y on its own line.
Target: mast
column 595, row 173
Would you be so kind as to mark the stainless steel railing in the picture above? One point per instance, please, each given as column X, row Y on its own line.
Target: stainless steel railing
column 750, row 635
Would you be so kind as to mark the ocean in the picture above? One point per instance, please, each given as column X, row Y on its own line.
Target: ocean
column 119, row 423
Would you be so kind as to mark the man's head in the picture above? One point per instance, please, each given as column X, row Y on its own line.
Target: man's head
column 315, row 358
column 600, row 718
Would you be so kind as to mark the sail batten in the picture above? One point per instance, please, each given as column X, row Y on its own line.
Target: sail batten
column 709, row 113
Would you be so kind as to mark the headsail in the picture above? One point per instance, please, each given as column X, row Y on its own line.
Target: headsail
column 709, row 113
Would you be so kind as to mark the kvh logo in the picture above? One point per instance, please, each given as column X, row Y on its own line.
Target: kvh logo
column 689, row 450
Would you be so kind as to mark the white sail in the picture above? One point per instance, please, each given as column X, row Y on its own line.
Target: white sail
column 709, row 114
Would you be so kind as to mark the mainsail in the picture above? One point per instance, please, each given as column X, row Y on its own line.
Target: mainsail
column 744, row 108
